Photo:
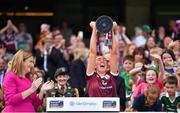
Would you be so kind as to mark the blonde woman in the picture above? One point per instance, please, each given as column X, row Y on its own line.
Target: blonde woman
column 19, row 91
column 128, row 50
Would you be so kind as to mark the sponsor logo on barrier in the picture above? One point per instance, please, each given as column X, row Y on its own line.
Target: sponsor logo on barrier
column 72, row 103
column 82, row 104
column 56, row 104
column 109, row 104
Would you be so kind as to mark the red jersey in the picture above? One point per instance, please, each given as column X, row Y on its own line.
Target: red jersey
column 101, row 86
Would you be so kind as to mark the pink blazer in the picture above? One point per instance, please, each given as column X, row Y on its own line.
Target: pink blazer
column 13, row 87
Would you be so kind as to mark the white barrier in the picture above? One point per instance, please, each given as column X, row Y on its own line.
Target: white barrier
column 82, row 104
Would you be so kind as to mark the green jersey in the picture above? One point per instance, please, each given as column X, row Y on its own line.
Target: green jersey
column 170, row 105
column 128, row 81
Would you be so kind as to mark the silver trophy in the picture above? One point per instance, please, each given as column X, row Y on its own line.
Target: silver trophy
column 104, row 26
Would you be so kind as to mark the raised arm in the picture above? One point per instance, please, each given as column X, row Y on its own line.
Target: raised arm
column 126, row 39
column 9, row 25
column 4, row 29
column 114, row 53
column 124, row 36
column 92, row 50
column 15, row 29
column 158, row 62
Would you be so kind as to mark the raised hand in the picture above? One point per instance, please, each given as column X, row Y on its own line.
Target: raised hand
column 114, row 27
column 93, row 24
column 124, row 30
column 155, row 57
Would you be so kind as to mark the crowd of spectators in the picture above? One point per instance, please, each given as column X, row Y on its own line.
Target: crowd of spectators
column 143, row 69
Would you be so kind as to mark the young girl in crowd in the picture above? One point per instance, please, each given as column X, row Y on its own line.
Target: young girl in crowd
column 151, row 78
column 139, row 55
column 168, row 59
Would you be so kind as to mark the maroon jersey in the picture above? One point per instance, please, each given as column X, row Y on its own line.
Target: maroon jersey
column 101, row 86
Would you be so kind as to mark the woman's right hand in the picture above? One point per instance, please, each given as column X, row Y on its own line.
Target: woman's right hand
column 36, row 83
column 47, row 86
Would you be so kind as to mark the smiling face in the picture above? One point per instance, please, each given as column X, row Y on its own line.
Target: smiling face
column 49, row 41
column 101, row 64
column 151, row 76
column 121, row 45
column 151, row 42
column 167, row 59
column 57, row 39
column 127, row 65
column 167, row 40
column 62, row 79
column 28, row 64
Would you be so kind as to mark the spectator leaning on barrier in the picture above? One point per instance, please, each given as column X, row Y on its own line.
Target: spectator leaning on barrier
column 149, row 100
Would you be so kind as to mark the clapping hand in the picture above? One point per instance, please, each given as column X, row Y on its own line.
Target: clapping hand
column 9, row 23
column 47, row 86
column 36, row 83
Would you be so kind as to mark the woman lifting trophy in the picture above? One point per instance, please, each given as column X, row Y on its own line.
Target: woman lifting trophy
column 101, row 71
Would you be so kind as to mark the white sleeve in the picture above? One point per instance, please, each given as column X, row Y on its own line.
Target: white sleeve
column 114, row 74
column 90, row 74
